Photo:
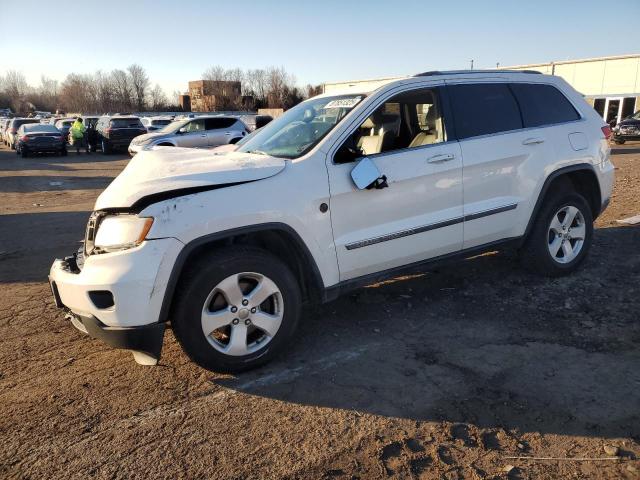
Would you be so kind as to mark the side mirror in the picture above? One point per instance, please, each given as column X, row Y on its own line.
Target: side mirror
column 183, row 130
column 366, row 175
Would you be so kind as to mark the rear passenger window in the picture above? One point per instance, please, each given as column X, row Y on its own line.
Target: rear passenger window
column 543, row 105
column 484, row 108
column 215, row 123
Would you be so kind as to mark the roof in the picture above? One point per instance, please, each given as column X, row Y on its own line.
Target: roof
column 565, row 62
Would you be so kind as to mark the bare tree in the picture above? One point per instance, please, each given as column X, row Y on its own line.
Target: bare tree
column 122, row 90
column 157, row 98
column 16, row 87
column 140, row 84
column 75, row 93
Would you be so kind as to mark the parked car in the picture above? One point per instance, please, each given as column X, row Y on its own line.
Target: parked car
column 4, row 124
column 13, row 127
column 39, row 138
column 342, row 190
column 199, row 132
column 153, row 124
column 627, row 129
column 116, row 132
column 64, row 125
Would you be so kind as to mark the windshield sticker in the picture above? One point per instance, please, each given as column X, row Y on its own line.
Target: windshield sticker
column 343, row 103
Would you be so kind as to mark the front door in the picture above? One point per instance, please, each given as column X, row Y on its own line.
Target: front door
column 420, row 214
column 194, row 135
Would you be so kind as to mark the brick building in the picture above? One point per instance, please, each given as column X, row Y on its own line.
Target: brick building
column 214, row 95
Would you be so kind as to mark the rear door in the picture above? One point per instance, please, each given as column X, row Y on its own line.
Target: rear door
column 419, row 215
column 220, row 130
column 500, row 159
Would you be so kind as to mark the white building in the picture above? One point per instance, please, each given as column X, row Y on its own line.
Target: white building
column 610, row 84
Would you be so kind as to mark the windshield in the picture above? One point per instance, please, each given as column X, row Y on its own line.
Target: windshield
column 160, row 122
column 301, row 128
column 174, row 126
column 636, row 116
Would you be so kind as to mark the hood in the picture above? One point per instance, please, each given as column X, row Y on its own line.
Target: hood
column 163, row 170
column 151, row 136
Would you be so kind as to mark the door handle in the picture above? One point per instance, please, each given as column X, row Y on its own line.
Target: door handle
column 227, row 133
column 203, row 134
column 443, row 157
column 533, row 141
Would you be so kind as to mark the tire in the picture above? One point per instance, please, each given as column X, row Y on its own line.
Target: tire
column 63, row 152
column 106, row 147
column 546, row 236
column 619, row 142
column 24, row 152
column 201, row 290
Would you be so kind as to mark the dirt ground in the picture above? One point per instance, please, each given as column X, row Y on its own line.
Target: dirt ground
column 441, row 375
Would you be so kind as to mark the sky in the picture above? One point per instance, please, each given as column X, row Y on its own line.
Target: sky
column 319, row 41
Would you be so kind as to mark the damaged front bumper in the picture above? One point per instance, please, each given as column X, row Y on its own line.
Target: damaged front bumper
column 117, row 297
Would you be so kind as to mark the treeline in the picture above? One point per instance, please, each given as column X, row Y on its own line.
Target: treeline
column 272, row 87
column 131, row 90
column 115, row 91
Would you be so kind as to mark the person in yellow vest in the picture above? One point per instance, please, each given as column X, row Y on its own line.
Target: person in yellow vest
column 77, row 134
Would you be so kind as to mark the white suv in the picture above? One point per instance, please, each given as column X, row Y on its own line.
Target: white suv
column 341, row 191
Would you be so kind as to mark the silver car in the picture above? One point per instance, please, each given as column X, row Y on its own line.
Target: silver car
column 200, row 132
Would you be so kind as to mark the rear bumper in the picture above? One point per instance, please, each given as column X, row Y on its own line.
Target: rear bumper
column 629, row 137
column 44, row 148
column 119, row 142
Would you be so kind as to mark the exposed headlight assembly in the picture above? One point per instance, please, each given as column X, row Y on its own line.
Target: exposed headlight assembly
column 113, row 232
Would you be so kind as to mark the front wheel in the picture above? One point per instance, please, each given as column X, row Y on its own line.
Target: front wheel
column 24, row 152
column 619, row 142
column 236, row 309
column 561, row 235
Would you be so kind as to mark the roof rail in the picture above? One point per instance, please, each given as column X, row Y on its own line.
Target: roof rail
column 433, row 73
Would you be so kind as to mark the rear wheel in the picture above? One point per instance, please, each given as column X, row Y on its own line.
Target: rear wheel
column 63, row 151
column 561, row 235
column 24, row 152
column 619, row 142
column 236, row 309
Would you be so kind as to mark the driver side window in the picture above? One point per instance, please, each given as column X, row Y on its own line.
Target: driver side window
column 407, row 120
column 194, row 126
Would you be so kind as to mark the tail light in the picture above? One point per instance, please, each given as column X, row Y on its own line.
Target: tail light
column 13, row 131
column 606, row 130
column 107, row 130
column 24, row 138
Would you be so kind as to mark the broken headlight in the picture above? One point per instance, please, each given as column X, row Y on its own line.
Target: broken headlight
column 118, row 232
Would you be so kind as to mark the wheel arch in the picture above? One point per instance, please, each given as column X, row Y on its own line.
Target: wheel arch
column 582, row 178
column 278, row 239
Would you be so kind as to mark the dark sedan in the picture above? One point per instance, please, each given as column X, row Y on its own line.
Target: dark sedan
column 39, row 138
column 627, row 129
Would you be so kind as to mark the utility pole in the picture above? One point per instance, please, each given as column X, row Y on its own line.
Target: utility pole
column 472, row 64
column 497, row 64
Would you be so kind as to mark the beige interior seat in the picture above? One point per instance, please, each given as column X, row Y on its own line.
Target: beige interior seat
column 433, row 131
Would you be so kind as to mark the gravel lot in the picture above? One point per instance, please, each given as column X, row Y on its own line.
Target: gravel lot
column 440, row 375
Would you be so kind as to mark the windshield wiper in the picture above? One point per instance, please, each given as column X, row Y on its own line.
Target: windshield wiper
column 258, row 152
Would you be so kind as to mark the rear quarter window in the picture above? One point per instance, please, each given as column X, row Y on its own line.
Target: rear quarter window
column 483, row 109
column 215, row 123
column 543, row 105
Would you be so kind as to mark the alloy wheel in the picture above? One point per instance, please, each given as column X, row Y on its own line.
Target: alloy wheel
column 242, row 313
column 566, row 234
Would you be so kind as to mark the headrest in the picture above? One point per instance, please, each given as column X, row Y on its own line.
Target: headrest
column 374, row 120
